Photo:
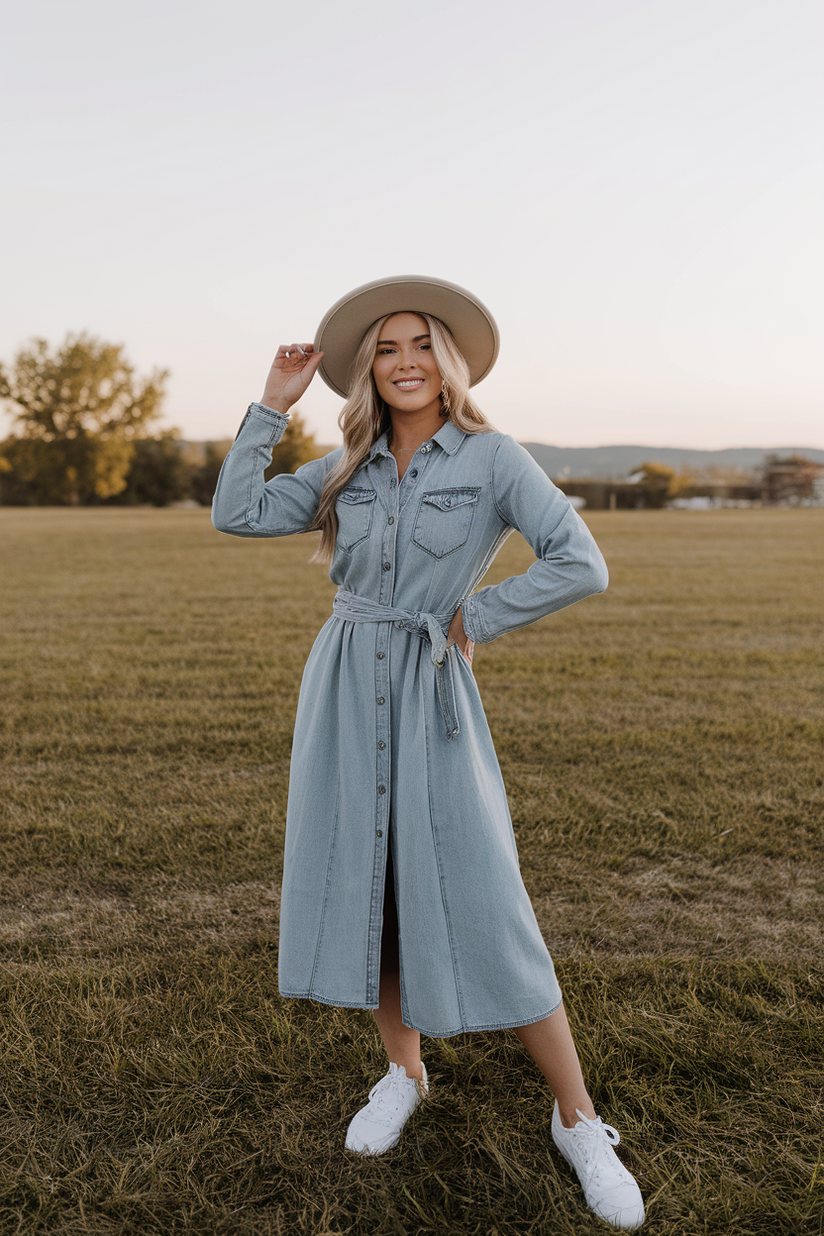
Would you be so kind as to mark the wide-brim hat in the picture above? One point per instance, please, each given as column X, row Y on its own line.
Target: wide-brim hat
column 471, row 324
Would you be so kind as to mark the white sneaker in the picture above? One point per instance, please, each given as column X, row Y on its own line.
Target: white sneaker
column 378, row 1126
column 610, row 1190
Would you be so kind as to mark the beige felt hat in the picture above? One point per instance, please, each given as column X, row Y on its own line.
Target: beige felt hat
column 472, row 325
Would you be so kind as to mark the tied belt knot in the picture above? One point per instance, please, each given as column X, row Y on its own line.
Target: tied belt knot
column 352, row 608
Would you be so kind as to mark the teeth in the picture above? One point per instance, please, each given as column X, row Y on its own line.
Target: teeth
column 416, row 382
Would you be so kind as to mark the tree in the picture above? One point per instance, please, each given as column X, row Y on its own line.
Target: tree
column 161, row 472
column 204, row 480
column 297, row 447
column 657, row 483
column 81, row 410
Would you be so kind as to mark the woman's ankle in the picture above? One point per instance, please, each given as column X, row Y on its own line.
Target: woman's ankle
column 413, row 1069
column 569, row 1115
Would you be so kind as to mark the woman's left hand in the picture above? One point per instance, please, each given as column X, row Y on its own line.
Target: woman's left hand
column 457, row 635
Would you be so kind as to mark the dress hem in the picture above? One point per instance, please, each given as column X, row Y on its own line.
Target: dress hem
column 430, row 1034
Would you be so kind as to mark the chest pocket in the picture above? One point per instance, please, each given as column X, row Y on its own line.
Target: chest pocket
column 354, row 511
column 444, row 520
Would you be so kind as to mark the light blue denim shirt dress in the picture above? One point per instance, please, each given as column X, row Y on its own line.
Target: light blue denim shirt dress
column 391, row 742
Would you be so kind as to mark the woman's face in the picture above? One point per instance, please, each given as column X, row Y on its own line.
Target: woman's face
column 404, row 369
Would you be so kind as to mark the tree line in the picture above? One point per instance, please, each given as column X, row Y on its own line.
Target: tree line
column 82, row 433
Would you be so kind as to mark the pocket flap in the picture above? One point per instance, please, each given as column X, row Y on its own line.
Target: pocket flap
column 447, row 500
column 354, row 496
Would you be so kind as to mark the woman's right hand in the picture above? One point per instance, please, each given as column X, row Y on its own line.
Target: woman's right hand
column 290, row 375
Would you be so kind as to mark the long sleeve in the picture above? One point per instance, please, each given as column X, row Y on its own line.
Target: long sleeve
column 245, row 505
column 569, row 564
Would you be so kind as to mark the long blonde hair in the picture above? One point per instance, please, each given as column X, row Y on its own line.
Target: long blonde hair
column 365, row 416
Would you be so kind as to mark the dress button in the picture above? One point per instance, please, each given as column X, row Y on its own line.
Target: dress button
column 381, row 700
column 387, row 566
column 381, row 655
column 381, row 789
column 391, row 519
column 414, row 472
column 381, row 746
column 379, row 832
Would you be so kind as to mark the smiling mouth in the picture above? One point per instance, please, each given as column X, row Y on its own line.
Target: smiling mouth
column 408, row 384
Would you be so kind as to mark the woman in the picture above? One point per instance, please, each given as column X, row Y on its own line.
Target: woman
column 401, row 890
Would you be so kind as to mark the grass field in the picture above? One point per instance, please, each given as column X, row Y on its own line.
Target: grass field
column 662, row 747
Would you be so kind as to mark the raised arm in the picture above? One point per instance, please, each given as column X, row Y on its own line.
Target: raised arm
column 243, row 504
column 569, row 564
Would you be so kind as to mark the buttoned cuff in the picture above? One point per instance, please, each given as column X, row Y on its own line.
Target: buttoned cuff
column 473, row 623
column 269, row 414
column 260, row 419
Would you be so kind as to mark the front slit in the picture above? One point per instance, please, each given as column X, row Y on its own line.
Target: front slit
column 390, row 945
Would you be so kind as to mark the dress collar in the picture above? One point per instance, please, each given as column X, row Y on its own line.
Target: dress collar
column 379, row 447
column 450, row 437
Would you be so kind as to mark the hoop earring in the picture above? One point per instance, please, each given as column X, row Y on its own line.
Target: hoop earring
column 445, row 404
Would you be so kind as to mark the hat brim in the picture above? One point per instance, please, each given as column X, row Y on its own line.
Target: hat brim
column 339, row 335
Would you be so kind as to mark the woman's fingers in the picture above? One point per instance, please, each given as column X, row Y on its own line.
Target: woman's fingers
column 309, row 362
column 457, row 635
column 293, row 358
column 292, row 370
column 295, row 350
column 467, row 650
column 295, row 355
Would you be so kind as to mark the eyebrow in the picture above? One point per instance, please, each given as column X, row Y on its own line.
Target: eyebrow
column 417, row 339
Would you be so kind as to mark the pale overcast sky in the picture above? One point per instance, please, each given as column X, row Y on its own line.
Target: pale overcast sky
column 634, row 187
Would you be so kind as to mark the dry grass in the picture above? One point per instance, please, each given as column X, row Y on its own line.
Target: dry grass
column 662, row 745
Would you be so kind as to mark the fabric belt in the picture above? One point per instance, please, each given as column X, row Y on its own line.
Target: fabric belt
column 352, row 608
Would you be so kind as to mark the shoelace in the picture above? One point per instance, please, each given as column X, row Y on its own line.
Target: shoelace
column 388, row 1094
column 591, row 1142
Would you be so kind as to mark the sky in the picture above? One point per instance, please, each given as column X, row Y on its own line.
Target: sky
column 635, row 188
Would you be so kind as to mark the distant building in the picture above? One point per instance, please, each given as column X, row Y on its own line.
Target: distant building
column 790, row 479
column 794, row 481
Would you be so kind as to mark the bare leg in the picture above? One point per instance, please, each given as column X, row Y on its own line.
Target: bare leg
column 551, row 1046
column 403, row 1046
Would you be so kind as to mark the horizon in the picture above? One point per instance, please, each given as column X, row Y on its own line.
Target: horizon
column 785, row 449
column 660, row 446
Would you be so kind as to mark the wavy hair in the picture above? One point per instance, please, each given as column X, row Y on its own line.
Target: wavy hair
column 365, row 416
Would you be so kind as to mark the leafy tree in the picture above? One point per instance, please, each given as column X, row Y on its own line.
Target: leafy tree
column 161, row 472
column 657, row 483
column 81, row 410
column 13, row 489
column 297, row 447
column 204, row 480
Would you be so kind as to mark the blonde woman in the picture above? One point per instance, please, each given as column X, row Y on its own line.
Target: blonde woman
column 401, row 888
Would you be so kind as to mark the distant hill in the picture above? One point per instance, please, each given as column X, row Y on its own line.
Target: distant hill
column 613, row 462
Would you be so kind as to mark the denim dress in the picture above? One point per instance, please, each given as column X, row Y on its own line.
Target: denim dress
column 391, row 743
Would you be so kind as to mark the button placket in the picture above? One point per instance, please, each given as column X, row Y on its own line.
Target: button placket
column 383, row 783
column 383, row 769
column 414, row 472
column 388, row 546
